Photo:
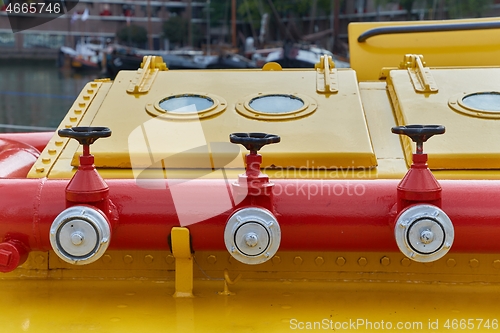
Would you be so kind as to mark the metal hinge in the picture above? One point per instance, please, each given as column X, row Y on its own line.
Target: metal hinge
column 150, row 67
column 326, row 75
column 420, row 76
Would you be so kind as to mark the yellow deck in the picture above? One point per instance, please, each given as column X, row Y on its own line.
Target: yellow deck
column 132, row 292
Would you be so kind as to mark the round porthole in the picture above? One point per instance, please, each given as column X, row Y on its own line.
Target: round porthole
column 276, row 106
column 479, row 104
column 187, row 106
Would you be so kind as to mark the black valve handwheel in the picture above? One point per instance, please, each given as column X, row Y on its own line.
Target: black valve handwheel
column 254, row 141
column 85, row 135
column 419, row 133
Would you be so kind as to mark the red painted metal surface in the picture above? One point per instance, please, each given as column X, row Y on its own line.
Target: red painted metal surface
column 38, row 140
column 12, row 254
column 334, row 215
column 418, row 185
column 16, row 158
column 87, row 186
column 253, row 187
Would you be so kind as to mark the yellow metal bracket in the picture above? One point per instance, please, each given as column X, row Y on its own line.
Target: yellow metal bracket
column 181, row 249
column 272, row 66
column 420, row 76
column 146, row 75
column 326, row 75
column 227, row 282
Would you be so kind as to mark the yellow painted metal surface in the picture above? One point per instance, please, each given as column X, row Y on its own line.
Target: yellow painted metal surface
column 340, row 138
column 59, row 150
column 463, row 146
column 462, row 48
column 132, row 292
column 181, row 249
column 342, row 133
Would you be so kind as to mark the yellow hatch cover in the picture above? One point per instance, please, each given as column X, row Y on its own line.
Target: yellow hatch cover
column 469, row 47
column 466, row 102
column 320, row 130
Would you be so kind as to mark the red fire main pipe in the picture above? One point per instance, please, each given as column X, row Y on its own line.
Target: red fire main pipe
column 328, row 215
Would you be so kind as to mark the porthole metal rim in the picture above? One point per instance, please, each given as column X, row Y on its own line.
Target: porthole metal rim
column 456, row 103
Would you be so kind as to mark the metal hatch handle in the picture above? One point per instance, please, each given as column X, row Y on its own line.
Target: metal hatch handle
column 427, row 28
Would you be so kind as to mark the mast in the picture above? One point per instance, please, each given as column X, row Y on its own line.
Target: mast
column 190, row 28
column 233, row 22
column 208, row 27
column 150, row 31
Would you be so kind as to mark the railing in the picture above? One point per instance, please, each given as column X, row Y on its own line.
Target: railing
column 405, row 29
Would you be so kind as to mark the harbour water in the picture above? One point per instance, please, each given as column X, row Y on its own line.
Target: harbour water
column 35, row 95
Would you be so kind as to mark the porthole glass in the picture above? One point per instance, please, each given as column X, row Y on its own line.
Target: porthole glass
column 186, row 103
column 486, row 101
column 186, row 106
column 276, row 104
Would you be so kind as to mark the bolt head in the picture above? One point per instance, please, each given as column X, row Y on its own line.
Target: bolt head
column 77, row 238
column 426, row 236
column 251, row 239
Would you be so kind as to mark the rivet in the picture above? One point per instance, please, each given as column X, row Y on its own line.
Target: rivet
column 82, row 105
column 39, row 260
column 78, row 111
column 40, row 169
column 59, row 143
column 128, row 259
column 319, row 261
column 340, row 261
column 276, row 260
column 46, row 160
column 496, row 264
column 211, row 259
column 451, row 262
column 297, row 261
column 93, row 85
column 86, row 98
column 68, row 126
column 90, row 91
column 405, row 262
column 52, row 151
column 385, row 261
column 73, row 119
column 362, row 261
column 148, row 259
column 474, row 263
column 106, row 259
column 169, row 259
